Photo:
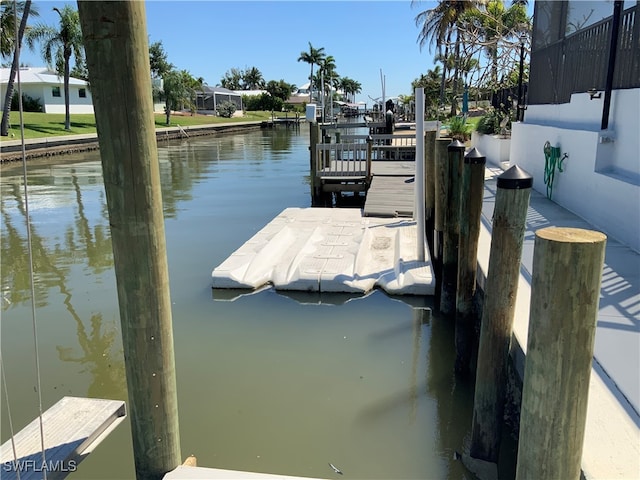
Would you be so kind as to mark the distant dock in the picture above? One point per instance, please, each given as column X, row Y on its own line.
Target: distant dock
column 287, row 121
column 339, row 249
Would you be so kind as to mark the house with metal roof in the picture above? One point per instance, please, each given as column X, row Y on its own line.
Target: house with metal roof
column 45, row 85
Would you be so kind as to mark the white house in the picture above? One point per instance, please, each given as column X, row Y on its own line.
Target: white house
column 586, row 101
column 43, row 84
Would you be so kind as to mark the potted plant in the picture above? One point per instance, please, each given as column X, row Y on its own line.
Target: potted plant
column 492, row 136
column 459, row 129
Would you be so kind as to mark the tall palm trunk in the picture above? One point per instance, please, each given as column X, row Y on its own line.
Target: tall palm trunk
column 456, row 74
column 67, row 114
column 4, row 127
column 494, row 67
column 445, row 68
column 311, row 85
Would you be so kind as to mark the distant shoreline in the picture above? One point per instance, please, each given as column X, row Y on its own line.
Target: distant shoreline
column 11, row 151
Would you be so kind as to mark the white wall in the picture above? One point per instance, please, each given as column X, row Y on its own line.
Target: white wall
column 53, row 104
column 601, row 181
column 495, row 147
column 76, row 104
column 585, row 114
column 34, row 91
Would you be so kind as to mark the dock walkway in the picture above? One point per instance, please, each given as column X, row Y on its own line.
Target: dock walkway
column 391, row 193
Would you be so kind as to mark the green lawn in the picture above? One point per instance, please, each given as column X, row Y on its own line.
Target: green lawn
column 38, row 125
column 473, row 122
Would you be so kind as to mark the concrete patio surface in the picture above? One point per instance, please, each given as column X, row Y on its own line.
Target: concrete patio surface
column 612, row 437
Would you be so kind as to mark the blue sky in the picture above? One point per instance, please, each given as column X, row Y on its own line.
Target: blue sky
column 208, row 38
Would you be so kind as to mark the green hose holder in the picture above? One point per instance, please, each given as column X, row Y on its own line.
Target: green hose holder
column 552, row 160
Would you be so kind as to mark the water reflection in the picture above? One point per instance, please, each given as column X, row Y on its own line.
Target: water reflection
column 99, row 357
column 272, row 381
column 454, row 396
column 53, row 264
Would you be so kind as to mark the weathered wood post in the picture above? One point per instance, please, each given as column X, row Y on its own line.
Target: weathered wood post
column 314, row 133
column 419, row 194
column 430, row 170
column 565, row 290
column 501, row 288
column 455, row 154
column 369, row 158
column 440, row 186
column 327, row 197
column 115, row 40
column 470, row 212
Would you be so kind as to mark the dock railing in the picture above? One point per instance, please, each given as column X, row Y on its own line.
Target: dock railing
column 387, row 146
column 342, row 161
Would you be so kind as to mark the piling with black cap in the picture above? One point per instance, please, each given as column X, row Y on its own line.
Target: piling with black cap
column 501, row 288
column 451, row 228
column 470, row 212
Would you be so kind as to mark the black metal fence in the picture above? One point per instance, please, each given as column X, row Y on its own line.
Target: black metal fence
column 578, row 62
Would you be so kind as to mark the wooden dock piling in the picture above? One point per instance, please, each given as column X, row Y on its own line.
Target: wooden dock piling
column 451, row 228
column 116, row 44
column 440, row 178
column 470, row 212
column 509, row 219
column 430, row 170
column 314, row 134
column 565, row 290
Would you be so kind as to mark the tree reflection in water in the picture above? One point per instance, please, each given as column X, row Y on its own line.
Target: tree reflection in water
column 98, row 341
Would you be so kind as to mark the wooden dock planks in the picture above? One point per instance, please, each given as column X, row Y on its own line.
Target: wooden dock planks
column 391, row 193
column 390, row 197
column 72, row 427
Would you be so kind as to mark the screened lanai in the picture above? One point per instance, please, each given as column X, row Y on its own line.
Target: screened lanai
column 210, row 97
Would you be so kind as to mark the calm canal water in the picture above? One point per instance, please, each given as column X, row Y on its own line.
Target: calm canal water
column 266, row 382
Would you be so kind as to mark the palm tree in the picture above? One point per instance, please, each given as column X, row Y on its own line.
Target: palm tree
column 327, row 69
column 60, row 45
column 356, row 87
column 252, row 79
column 232, row 79
column 498, row 30
column 9, row 47
column 349, row 86
column 431, row 85
column 438, row 26
column 313, row 57
column 8, row 26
